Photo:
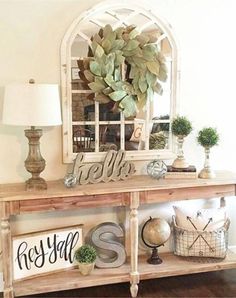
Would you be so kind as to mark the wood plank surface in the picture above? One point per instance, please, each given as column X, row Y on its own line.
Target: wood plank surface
column 187, row 193
column 56, row 189
column 71, row 279
column 63, row 203
column 14, row 199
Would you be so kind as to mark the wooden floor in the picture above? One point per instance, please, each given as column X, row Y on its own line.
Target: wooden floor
column 212, row 284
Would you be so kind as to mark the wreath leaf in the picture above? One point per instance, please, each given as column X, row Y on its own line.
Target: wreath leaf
column 153, row 67
column 107, row 30
column 124, row 66
column 118, row 44
column 101, row 98
column 99, row 52
column 128, row 105
column 95, row 68
column 106, row 44
column 117, row 95
column 88, row 75
column 162, row 75
column 142, row 83
column 131, row 45
column 158, row 88
column 96, row 87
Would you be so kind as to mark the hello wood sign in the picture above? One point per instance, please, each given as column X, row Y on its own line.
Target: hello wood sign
column 113, row 168
column 47, row 251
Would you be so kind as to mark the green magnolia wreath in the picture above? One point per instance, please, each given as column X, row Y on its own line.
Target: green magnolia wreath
column 124, row 67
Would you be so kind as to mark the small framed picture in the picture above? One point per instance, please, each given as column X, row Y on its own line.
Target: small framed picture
column 75, row 73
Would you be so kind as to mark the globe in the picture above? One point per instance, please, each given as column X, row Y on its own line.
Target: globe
column 156, row 232
column 156, row 169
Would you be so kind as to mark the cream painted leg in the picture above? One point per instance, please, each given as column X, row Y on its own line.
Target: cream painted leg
column 134, row 275
column 6, row 251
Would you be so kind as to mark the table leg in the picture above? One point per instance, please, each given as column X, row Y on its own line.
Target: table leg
column 134, row 275
column 6, row 251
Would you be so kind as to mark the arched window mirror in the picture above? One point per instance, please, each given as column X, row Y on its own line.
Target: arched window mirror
column 93, row 127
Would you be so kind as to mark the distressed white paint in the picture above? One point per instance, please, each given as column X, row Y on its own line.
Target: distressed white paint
column 83, row 23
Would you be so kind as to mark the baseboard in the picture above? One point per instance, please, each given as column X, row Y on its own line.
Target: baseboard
column 1, row 282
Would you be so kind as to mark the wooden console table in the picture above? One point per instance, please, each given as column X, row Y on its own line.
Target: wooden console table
column 135, row 191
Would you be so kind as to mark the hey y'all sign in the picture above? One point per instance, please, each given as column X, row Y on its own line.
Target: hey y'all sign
column 46, row 251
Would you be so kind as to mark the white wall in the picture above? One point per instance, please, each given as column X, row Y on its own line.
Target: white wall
column 30, row 35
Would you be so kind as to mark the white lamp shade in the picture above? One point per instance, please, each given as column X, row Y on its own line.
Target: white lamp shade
column 32, row 105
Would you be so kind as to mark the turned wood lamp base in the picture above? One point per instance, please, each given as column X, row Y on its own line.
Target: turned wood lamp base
column 35, row 163
column 36, row 184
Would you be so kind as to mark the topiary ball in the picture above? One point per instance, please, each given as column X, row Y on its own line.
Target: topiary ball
column 181, row 126
column 208, row 137
column 86, row 254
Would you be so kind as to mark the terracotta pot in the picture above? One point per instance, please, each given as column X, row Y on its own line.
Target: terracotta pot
column 86, row 269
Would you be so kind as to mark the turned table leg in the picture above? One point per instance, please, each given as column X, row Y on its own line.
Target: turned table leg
column 6, row 251
column 134, row 275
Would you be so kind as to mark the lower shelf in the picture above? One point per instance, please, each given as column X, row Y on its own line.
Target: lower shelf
column 71, row 279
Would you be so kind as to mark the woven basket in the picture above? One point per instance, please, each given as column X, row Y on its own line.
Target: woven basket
column 197, row 243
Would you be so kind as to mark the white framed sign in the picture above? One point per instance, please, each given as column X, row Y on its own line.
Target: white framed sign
column 46, row 251
column 75, row 73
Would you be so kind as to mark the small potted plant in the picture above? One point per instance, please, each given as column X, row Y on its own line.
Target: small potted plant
column 180, row 127
column 207, row 138
column 85, row 256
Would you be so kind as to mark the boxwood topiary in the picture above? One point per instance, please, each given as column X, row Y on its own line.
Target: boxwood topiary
column 181, row 126
column 208, row 137
column 85, row 254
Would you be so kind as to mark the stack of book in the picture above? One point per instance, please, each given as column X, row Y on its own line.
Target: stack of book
column 178, row 173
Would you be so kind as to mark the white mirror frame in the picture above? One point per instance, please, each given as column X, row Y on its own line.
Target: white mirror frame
column 72, row 32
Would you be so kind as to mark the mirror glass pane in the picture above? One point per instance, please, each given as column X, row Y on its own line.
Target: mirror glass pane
column 109, row 137
column 83, row 138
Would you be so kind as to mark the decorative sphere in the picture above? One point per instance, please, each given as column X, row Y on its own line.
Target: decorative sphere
column 156, row 169
column 156, row 231
column 70, row 180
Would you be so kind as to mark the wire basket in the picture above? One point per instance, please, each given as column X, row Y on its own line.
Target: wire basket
column 198, row 243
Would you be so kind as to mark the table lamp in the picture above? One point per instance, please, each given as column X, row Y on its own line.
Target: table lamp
column 32, row 105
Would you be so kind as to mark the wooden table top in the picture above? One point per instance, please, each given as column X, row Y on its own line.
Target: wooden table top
column 17, row 192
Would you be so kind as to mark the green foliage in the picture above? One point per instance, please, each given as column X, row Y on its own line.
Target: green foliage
column 181, row 126
column 157, row 140
column 208, row 137
column 124, row 66
column 85, row 254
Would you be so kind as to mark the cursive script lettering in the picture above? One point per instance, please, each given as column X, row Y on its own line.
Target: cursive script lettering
column 48, row 250
column 113, row 168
